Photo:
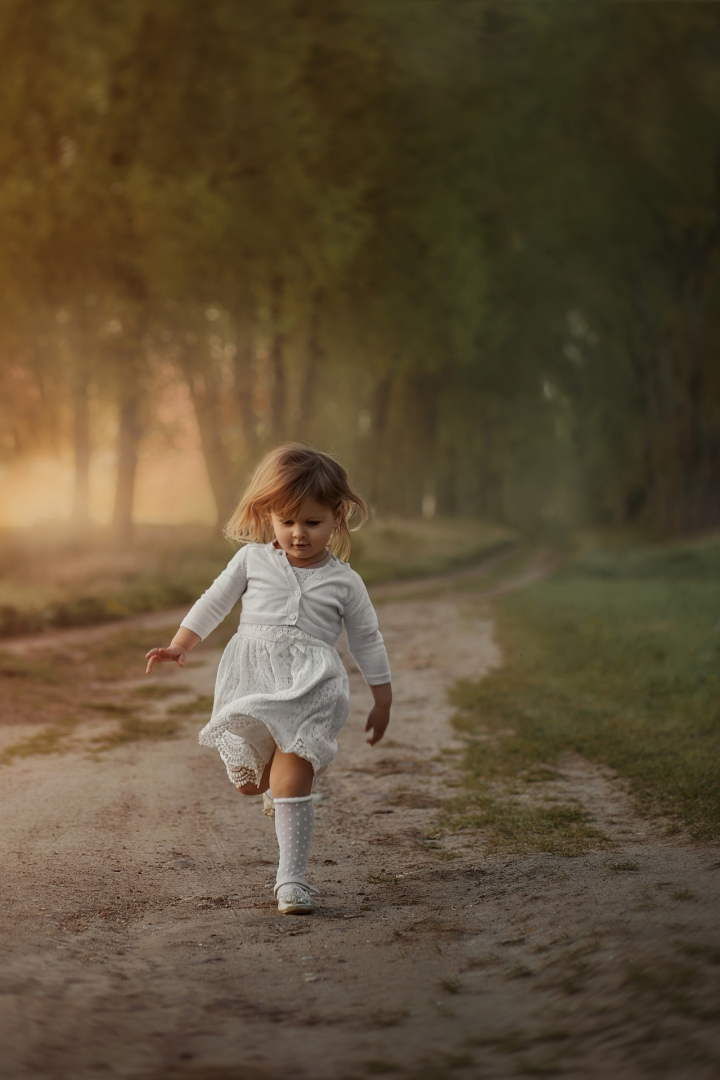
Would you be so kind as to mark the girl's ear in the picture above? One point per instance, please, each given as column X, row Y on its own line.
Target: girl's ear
column 338, row 517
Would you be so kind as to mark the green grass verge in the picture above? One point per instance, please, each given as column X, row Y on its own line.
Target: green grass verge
column 616, row 658
column 389, row 550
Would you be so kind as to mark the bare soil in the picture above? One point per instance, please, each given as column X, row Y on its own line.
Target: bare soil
column 140, row 936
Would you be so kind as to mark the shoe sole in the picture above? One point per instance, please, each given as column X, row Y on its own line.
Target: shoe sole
column 296, row 909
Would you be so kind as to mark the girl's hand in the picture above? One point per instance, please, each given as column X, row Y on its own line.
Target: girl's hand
column 162, row 656
column 379, row 717
column 177, row 650
column 377, row 722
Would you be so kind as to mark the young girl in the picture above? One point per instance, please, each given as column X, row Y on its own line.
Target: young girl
column 282, row 693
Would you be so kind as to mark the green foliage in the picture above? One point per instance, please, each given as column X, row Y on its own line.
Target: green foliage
column 473, row 248
column 616, row 658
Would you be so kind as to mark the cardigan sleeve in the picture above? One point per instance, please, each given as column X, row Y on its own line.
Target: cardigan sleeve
column 364, row 638
column 215, row 603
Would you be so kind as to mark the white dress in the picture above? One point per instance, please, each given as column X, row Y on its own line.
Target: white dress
column 277, row 686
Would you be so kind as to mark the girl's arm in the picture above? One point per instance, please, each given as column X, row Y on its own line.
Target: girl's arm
column 379, row 717
column 179, row 647
column 368, row 650
column 364, row 638
column 217, row 601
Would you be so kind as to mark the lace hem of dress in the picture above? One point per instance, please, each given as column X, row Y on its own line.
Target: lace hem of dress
column 242, row 775
column 244, row 766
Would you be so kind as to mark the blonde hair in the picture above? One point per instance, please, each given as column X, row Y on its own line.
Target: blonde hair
column 288, row 475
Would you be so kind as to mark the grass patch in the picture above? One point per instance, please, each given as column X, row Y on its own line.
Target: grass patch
column 389, row 549
column 55, row 738
column 159, row 690
column 516, row 828
column 203, row 703
column 132, row 729
column 52, row 683
column 616, row 658
column 68, row 581
column 26, row 669
column 112, row 708
column 51, row 740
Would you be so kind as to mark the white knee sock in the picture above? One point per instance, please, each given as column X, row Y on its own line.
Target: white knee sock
column 294, row 820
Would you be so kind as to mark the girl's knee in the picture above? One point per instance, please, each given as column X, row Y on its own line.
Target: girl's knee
column 254, row 789
column 249, row 789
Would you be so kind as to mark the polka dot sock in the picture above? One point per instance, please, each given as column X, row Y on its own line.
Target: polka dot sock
column 294, row 820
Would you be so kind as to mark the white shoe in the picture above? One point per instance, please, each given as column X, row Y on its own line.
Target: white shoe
column 294, row 900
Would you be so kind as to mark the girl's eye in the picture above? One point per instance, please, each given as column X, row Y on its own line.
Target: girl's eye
column 312, row 524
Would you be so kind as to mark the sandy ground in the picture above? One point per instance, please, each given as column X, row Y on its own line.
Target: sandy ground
column 140, row 937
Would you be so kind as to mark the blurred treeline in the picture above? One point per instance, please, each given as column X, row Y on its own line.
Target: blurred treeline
column 471, row 247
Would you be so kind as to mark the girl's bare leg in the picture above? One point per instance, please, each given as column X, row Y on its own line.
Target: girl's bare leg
column 290, row 776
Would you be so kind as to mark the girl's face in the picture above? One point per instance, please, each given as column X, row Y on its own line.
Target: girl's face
column 305, row 535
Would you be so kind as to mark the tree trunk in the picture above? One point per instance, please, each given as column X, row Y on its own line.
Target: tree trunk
column 128, row 443
column 82, row 453
column 278, row 392
column 376, row 452
column 205, row 394
column 312, row 369
column 244, row 386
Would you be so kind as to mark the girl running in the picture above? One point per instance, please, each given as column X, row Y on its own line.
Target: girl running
column 282, row 693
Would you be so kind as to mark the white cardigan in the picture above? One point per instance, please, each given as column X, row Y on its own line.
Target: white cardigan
column 271, row 596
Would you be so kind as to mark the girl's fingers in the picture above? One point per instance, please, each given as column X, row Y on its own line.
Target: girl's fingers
column 160, row 656
column 155, row 656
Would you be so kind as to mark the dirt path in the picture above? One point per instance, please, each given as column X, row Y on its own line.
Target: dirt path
column 140, row 937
